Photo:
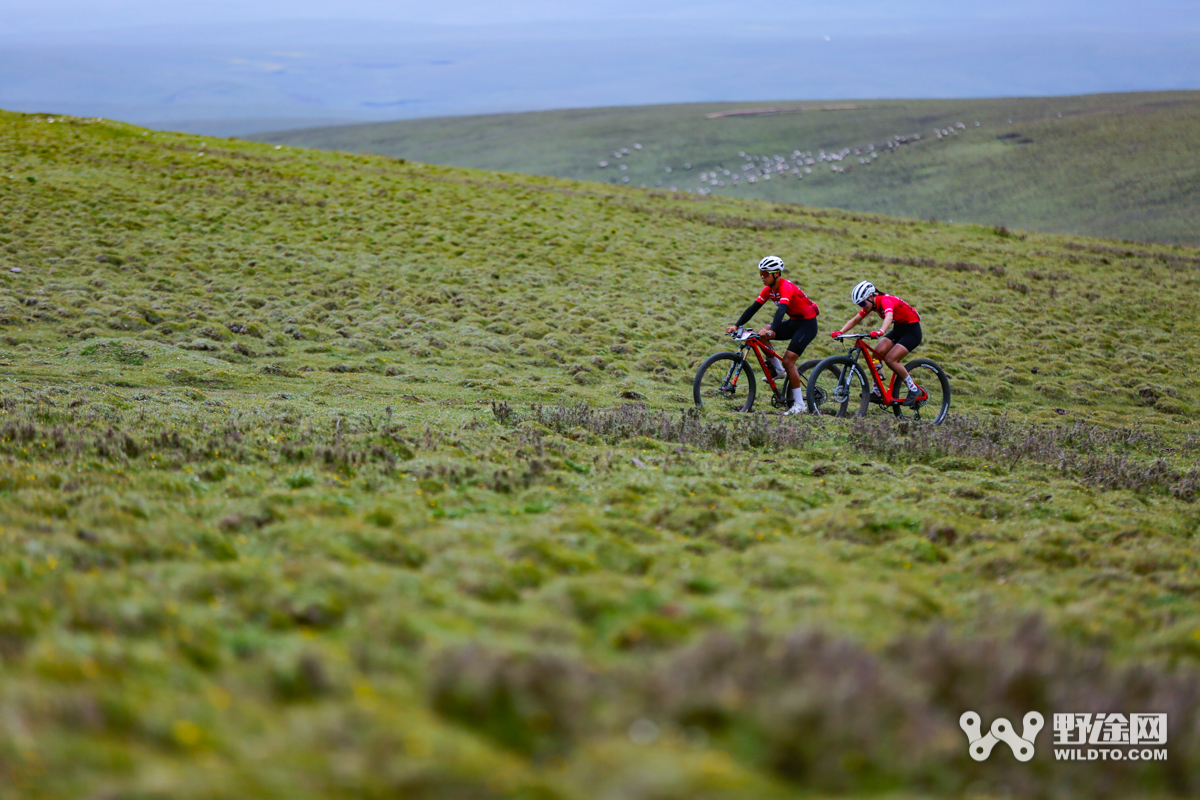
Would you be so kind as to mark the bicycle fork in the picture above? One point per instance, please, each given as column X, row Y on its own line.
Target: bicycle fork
column 842, row 392
column 735, row 372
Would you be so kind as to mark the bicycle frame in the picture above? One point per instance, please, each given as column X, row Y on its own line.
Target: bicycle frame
column 885, row 392
column 760, row 347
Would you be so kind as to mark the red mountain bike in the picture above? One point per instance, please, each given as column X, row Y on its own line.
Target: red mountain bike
column 725, row 381
column 838, row 386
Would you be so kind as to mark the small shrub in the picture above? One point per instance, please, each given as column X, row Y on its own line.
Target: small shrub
column 504, row 413
column 301, row 479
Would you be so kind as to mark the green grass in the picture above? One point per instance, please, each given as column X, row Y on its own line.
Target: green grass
column 319, row 479
column 1120, row 165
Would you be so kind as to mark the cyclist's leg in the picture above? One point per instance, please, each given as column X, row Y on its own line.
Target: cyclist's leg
column 907, row 337
column 805, row 332
column 784, row 331
column 910, row 336
column 882, row 350
column 895, row 353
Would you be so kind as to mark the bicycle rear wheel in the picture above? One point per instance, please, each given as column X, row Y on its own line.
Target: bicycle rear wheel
column 933, row 381
column 837, row 388
column 724, row 382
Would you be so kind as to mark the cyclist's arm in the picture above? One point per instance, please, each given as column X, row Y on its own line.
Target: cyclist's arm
column 887, row 322
column 850, row 323
column 780, row 310
column 748, row 313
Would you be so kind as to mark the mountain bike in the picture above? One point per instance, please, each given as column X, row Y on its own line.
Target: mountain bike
column 725, row 381
column 839, row 386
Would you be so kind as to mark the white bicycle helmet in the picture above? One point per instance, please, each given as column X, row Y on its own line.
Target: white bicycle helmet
column 771, row 264
column 862, row 292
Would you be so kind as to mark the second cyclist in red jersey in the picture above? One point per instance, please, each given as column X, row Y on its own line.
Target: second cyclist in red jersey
column 801, row 327
column 902, row 339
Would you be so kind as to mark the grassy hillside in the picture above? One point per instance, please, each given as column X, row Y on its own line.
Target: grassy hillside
column 332, row 475
column 1123, row 166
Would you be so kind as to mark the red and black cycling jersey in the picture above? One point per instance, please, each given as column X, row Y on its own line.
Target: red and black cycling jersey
column 902, row 312
column 789, row 295
column 788, row 298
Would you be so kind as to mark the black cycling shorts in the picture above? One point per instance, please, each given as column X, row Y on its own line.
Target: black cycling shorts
column 905, row 334
column 800, row 331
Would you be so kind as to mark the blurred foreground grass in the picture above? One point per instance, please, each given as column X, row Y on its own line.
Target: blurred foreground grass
column 330, row 475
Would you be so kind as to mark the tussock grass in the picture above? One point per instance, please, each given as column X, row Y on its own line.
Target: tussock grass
column 1094, row 455
column 632, row 421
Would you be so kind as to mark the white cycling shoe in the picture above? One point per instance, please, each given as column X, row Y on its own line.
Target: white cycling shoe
column 797, row 408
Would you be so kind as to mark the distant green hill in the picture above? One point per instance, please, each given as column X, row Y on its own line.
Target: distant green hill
column 1120, row 165
column 336, row 476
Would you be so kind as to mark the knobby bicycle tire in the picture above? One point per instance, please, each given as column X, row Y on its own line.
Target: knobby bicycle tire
column 827, row 396
column 930, row 376
column 712, row 383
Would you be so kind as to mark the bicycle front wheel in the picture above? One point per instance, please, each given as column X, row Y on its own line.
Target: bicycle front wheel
column 724, row 382
column 934, row 383
column 837, row 388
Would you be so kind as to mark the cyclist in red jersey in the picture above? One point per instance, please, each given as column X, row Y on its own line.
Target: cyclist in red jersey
column 801, row 328
column 897, row 343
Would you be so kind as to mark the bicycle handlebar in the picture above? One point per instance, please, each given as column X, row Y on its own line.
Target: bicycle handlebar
column 746, row 334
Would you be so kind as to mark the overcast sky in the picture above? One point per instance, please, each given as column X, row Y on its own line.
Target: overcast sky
column 27, row 16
